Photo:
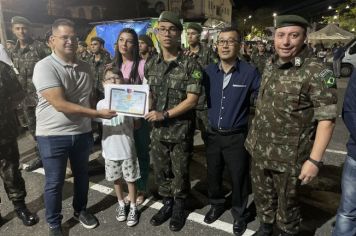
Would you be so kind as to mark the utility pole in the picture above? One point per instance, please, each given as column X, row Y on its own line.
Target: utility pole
column 2, row 26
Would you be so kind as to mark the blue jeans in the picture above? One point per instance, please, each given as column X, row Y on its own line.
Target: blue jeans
column 55, row 151
column 346, row 215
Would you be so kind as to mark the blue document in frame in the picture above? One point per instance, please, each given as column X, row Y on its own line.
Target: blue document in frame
column 128, row 101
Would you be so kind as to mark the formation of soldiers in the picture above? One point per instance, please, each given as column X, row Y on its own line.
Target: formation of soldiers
column 293, row 123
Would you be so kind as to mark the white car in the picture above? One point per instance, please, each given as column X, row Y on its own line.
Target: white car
column 348, row 62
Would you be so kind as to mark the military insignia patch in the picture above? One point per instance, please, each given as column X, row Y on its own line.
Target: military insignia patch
column 328, row 77
column 297, row 61
column 197, row 75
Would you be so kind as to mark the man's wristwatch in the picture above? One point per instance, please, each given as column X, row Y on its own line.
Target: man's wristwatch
column 318, row 164
column 165, row 115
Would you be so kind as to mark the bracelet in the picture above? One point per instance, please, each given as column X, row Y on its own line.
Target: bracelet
column 318, row 164
column 165, row 115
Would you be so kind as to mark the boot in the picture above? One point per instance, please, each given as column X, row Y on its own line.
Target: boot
column 26, row 216
column 164, row 213
column 178, row 219
column 264, row 230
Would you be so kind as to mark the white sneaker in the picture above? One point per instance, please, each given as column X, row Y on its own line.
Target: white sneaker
column 132, row 218
column 121, row 213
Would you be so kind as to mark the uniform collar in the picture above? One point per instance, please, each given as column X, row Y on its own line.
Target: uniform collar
column 29, row 41
column 161, row 59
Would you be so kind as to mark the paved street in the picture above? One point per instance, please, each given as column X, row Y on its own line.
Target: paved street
column 320, row 199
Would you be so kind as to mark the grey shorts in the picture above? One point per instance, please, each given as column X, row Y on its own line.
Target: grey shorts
column 128, row 169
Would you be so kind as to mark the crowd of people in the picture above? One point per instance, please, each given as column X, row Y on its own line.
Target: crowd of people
column 56, row 91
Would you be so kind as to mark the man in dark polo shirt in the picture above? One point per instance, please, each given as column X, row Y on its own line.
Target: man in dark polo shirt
column 230, row 86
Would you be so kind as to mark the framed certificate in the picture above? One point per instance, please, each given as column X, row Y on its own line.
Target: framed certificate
column 128, row 100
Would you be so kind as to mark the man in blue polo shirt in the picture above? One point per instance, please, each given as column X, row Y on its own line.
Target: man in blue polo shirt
column 230, row 86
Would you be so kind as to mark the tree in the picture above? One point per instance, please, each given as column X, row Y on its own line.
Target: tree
column 345, row 16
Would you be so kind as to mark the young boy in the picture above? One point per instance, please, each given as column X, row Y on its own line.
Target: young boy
column 119, row 153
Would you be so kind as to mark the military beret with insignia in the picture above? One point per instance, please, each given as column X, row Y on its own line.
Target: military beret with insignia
column 83, row 44
column 145, row 38
column 291, row 20
column 11, row 41
column 100, row 40
column 168, row 16
column 20, row 20
column 195, row 26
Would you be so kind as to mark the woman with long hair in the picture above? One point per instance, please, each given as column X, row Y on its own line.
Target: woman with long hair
column 127, row 59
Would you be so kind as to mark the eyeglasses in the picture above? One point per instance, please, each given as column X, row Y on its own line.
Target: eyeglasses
column 66, row 38
column 229, row 42
column 171, row 30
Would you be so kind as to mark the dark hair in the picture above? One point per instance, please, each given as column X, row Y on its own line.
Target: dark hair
column 135, row 57
column 231, row 29
column 62, row 22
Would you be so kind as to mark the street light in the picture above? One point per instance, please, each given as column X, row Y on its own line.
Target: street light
column 249, row 16
column 347, row 7
column 330, row 7
column 274, row 19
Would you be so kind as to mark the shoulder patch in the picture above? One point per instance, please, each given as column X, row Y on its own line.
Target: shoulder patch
column 197, row 75
column 327, row 76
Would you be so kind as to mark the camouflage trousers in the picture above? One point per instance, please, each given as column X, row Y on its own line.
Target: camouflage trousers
column 171, row 167
column 276, row 197
column 201, row 122
column 11, row 175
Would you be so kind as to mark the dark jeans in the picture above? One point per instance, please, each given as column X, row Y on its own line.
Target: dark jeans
column 346, row 215
column 55, row 151
column 229, row 150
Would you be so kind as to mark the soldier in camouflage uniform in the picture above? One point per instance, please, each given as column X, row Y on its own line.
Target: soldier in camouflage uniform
column 204, row 56
column 294, row 121
column 175, row 83
column 25, row 55
column 82, row 52
column 10, row 45
column 260, row 58
column 97, row 61
column 11, row 94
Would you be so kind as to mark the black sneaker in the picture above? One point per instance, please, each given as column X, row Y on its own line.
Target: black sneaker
column 34, row 165
column 55, row 231
column 86, row 219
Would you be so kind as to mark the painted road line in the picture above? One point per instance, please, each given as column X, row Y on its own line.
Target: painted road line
column 195, row 217
column 336, row 151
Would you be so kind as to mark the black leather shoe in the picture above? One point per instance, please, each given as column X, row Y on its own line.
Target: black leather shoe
column 177, row 219
column 213, row 214
column 164, row 213
column 264, row 230
column 34, row 165
column 239, row 227
column 26, row 216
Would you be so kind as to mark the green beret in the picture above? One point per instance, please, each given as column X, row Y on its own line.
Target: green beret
column 145, row 38
column 11, row 41
column 291, row 20
column 168, row 16
column 20, row 20
column 100, row 40
column 82, row 43
column 195, row 26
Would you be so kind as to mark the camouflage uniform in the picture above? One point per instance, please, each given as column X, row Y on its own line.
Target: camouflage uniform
column 85, row 56
column 24, row 61
column 98, row 68
column 171, row 139
column 11, row 95
column 293, row 97
column 260, row 61
column 205, row 56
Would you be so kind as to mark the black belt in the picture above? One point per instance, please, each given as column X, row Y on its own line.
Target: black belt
column 229, row 131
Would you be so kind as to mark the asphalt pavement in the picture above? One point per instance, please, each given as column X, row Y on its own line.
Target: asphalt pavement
column 319, row 199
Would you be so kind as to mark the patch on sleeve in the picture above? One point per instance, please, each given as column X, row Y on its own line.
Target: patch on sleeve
column 327, row 76
column 197, row 75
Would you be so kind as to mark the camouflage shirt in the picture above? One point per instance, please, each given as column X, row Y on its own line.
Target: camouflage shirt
column 11, row 94
column 85, row 56
column 24, row 61
column 98, row 68
column 205, row 56
column 293, row 97
column 260, row 61
column 169, row 84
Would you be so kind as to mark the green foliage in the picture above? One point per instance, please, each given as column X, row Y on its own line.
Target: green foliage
column 345, row 17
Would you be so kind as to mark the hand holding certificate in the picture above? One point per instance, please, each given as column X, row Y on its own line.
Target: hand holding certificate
column 128, row 100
